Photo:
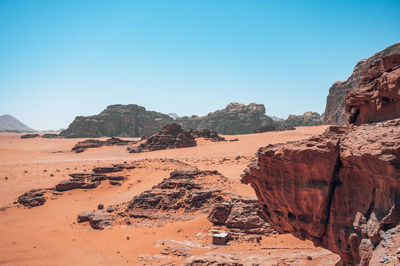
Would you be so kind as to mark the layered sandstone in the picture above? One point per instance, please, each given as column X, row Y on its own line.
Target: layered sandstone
column 170, row 137
column 335, row 112
column 340, row 189
column 378, row 96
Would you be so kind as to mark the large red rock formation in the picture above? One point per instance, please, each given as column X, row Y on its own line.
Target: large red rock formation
column 340, row 189
column 335, row 112
column 378, row 96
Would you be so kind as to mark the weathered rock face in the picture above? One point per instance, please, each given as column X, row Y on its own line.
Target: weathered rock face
column 118, row 120
column 341, row 189
column 377, row 97
column 335, row 104
column 236, row 118
column 98, row 219
column 307, row 119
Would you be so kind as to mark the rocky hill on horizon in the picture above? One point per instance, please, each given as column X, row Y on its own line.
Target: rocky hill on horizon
column 235, row 118
column 10, row 123
column 135, row 121
column 129, row 120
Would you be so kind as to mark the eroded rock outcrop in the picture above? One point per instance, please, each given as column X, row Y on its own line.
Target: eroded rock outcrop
column 378, row 96
column 30, row 136
column 173, row 136
column 95, row 143
column 170, row 137
column 235, row 118
column 33, row 198
column 37, row 197
column 184, row 190
column 335, row 112
column 85, row 181
column 306, row 119
column 341, row 189
column 118, row 120
column 240, row 215
column 98, row 219
column 180, row 196
column 207, row 134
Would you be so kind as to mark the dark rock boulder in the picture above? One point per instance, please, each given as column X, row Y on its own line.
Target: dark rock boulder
column 33, row 198
column 118, row 120
column 30, row 136
column 335, row 112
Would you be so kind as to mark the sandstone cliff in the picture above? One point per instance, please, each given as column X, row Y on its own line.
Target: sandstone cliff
column 378, row 96
column 340, row 189
column 335, row 104
column 118, row 120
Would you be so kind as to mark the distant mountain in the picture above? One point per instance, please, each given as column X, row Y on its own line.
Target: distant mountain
column 10, row 123
column 173, row 115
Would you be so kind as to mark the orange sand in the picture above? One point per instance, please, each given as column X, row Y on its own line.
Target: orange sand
column 49, row 234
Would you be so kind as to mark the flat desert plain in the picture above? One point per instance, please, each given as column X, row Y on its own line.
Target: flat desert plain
column 50, row 235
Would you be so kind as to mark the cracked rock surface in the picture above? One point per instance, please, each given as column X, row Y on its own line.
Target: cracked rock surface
column 340, row 189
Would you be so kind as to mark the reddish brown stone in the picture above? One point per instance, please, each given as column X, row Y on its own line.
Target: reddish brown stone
column 335, row 112
column 377, row 98
column 341, row 189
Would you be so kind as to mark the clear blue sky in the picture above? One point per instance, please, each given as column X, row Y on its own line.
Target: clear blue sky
column 60, row 59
